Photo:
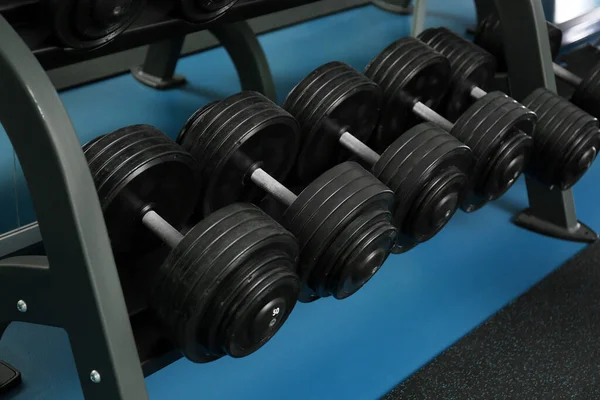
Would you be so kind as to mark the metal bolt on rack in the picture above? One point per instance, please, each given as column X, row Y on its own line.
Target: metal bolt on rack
column 21, row 306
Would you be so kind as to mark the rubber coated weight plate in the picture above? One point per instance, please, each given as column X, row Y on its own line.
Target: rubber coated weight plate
column 332, row 99
column 347, row 251
column 489, row 37
column 322, row 212
column 471, row 66
column 587, row 94
column 486, row 127
column 428, row 169
column 204, row 10
column 196, row 119
column 567, row 140
column 88, row 24
column 138, row 166
column 229, row 285
column 335, row 98
column 406, row 71
column 250, row 123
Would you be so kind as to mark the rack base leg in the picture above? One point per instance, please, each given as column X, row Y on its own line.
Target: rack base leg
column 158, row 69
column 579, row 233
column 155, row 82
column 552, row 213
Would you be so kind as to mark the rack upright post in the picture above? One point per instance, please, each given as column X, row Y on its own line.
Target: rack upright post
column 527, row 48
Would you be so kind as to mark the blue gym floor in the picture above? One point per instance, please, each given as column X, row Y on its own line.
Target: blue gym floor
column 418, row 305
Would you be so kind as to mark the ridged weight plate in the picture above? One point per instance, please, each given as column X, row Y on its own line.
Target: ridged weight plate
column 324, row 211
column 567, row 140
column 331, row 99
column 489, row 37
column 139, row 162
column 470, row 64
column 428, row 170
column 406, row 67
column 88, row 24
column 247, row 122
column 202, row 11
column 486, row 127
column 587, row 94
column 229, row 285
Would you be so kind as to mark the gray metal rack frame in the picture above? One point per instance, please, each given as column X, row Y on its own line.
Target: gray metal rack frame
column 79, row 267
column 240, row 42
column 551, row 211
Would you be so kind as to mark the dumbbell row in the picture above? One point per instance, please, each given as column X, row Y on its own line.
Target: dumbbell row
column 566, row 139
column 587, row 88
column 110, row 175
column 247, row 138
column 229, row 283
column 337, row 109
column 341, row 220
column 415, row 78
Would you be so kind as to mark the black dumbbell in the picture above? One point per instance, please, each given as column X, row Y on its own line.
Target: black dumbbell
column 488, row 35
column 202, row 11
column 427, row 168
column 566, row 139
column 246, row 145
column 587, row 89
column 413, row 78
column 229, row 283
column 88, row 24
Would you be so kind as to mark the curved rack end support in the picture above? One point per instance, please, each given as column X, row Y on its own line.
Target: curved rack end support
column 82, row 269
column 248, row 56
column 242, row 45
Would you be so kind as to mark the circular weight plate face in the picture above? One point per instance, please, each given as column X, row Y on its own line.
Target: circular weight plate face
column 407, row 71
column 229, row 285
column 489, row 37
column 428, row 170
column 136, row 167
column 198, row 11
column 471, row 65
column 486, row 127
column 246, row 125
column 88, row 24
column 507, row 164
column 587, row 94
column 581, row 157
column 333, row 99
column 355, row 255
column 567, row 140
column 329, row 204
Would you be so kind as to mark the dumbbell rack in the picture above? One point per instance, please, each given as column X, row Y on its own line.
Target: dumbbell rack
column 79, row 267
column 551, row 211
